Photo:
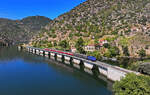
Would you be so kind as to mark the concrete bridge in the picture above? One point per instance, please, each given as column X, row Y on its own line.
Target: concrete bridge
column 112, row 73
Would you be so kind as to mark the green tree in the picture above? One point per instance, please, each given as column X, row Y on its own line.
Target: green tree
column 55, row 43
column 79, row 45
column 96, row 54
column 142, row 53
column 126, row 51
column 96, row 41
column 132, row 84
column 49, row 44
column 106, row 45
column 112, row 52
column 64, row 44
column 107, row 54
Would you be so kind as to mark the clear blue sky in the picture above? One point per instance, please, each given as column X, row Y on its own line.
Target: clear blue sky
column 18, row 9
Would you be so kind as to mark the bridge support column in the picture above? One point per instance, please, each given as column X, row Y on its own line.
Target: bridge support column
column 63, row 59
column 115, row 74
column 67, row 60
column 19, row 48
column 55, row 56
column 27, row 49
column 46, row 54
column 103, row 70
column 52, row 55
column 88, row 67
column 30, row 50
column 49, row 55
column 41, row 52
column 59, row 57
column 34, row 51
column 37, row 52
column 76, row 63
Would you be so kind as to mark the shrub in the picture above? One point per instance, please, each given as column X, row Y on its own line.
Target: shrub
column 96, row 54
column 112, row 52
column 49, row 44
column 142, row 53
column 79, row 45
column 64, row 44
column 132, row 84
column 125, row 51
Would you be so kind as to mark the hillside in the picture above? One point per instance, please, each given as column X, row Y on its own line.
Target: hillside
column 123, row 23
column 20, row 31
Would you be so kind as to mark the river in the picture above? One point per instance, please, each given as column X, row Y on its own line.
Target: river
column 22, row 73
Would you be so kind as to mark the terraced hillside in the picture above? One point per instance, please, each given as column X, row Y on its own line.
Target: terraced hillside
column 124, row 23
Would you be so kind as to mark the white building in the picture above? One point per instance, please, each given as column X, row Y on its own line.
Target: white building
column 90, row 48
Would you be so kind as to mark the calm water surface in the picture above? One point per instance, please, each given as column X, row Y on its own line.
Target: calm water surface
column 22, row 73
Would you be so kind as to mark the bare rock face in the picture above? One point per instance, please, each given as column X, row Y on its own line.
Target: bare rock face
column 144, row 68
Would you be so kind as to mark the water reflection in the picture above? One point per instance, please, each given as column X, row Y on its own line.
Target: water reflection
column 122, row 62
column 26, row 74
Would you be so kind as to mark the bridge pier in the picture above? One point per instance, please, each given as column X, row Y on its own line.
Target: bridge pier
column 46, row 54
column 41, row 52
column 67, row 60
column 76, row 63
column 52, row 55
column 37, row 52
column 30, row 50
column 19, row 48
column 88, row 67
column 63, row 59
column 55, row 56
column 115, row 74
column 34, row 50
column 103, row 70
column 59, row 57
column 49, row 55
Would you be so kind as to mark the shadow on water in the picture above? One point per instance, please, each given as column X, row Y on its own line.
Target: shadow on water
column 122, row 62
column 10, row 53
column 62, row 76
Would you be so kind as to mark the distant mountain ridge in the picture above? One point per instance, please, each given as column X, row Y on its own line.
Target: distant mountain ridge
column 20, row 31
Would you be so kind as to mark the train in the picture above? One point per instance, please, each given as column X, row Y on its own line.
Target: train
column 91, row 58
